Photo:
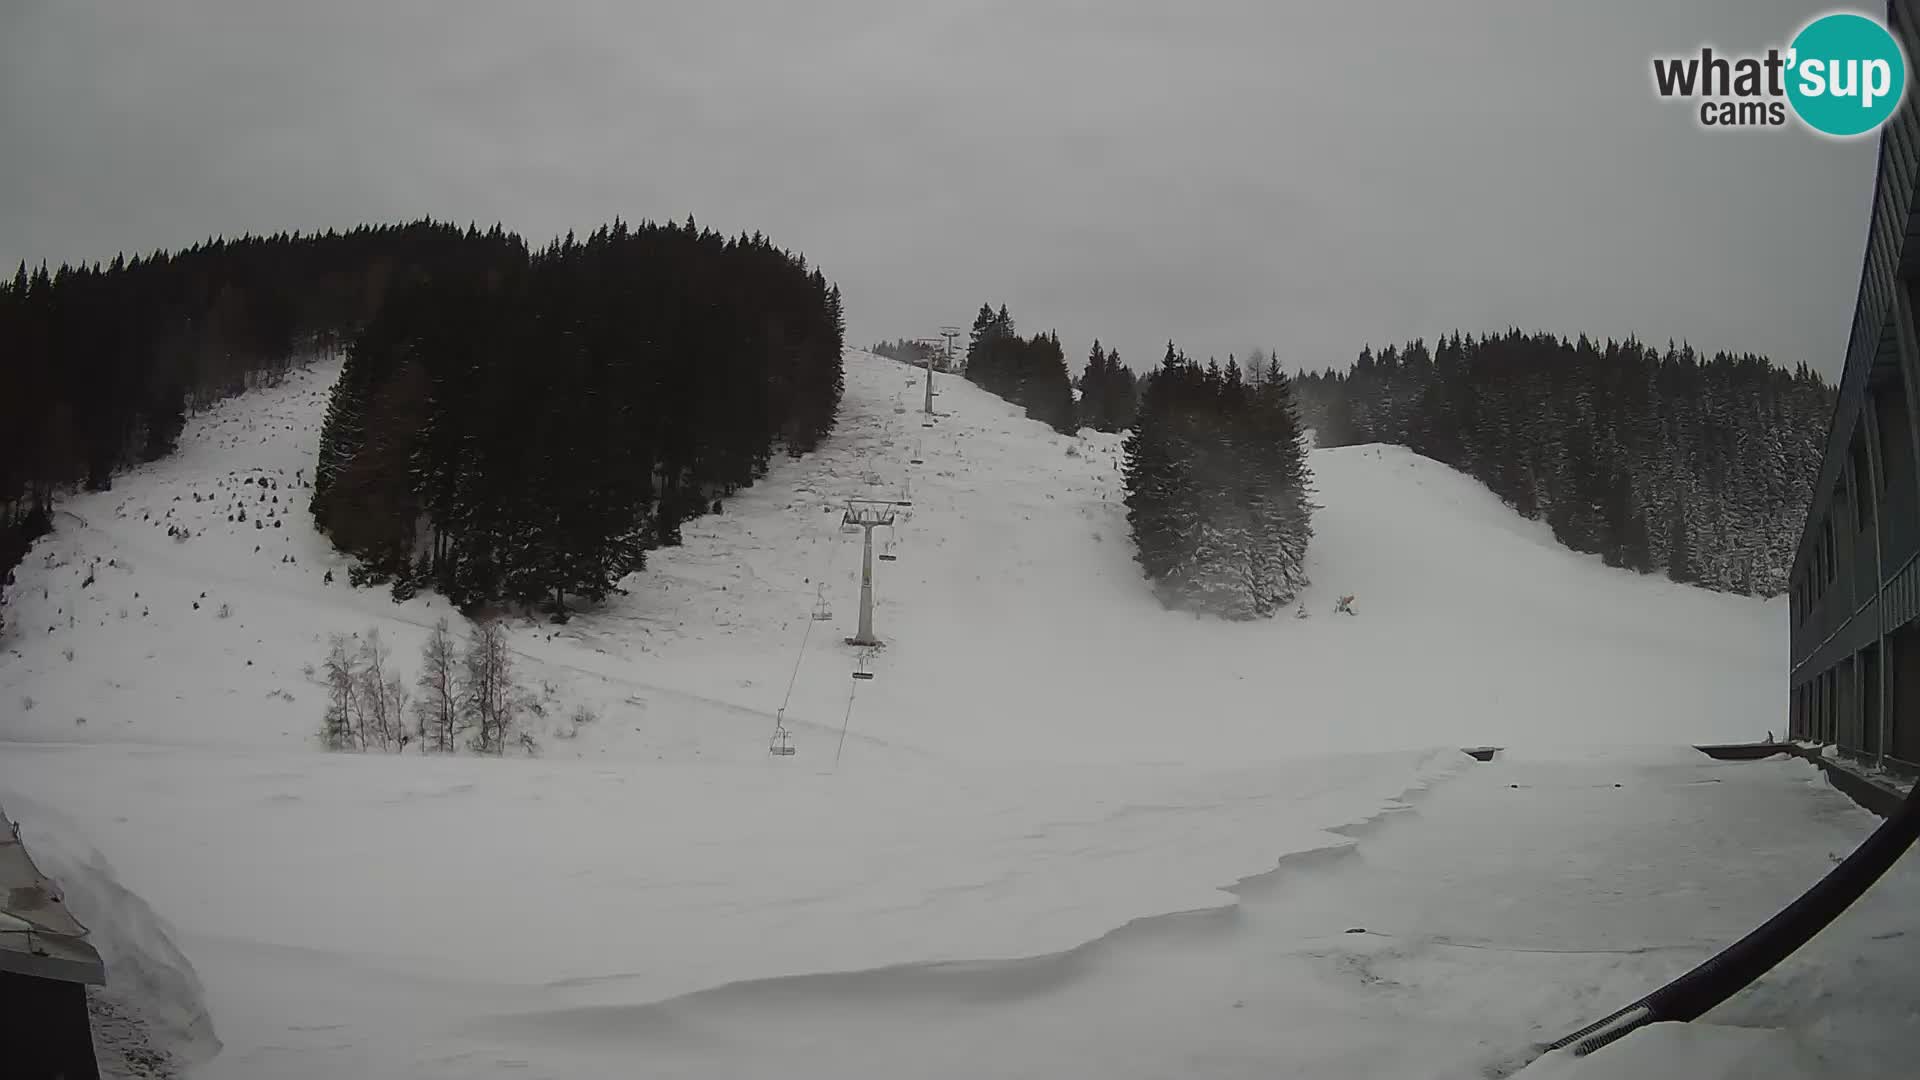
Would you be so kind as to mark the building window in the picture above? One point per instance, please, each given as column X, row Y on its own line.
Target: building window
column 1826, row 706
column 1862, row 470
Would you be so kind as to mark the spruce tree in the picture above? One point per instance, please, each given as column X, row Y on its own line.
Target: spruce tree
column 1679, row 550
column 1094, row 391
column 1122, row 395
column 1217, row 489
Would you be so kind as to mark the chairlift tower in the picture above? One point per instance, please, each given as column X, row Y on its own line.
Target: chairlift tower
column 929, row 348
column 948, row 333
column 867, row 515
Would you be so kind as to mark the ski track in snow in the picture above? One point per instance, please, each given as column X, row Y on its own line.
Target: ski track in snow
column 1049, row 768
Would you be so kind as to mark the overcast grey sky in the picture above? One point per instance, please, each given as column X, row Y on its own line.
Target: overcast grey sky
column 1227, row 173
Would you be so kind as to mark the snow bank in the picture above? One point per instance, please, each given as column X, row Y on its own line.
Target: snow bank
column 147, row 973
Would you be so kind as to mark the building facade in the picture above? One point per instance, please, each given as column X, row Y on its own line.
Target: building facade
column 1855, row 588
column 46, row 965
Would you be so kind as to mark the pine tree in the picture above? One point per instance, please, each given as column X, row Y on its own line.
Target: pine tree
column 1284, row 486
column 1123, row 394
column 1048, row 390
column 1156, row 474
column 1094, row 391
column 1679, row 550
column 1216, row 489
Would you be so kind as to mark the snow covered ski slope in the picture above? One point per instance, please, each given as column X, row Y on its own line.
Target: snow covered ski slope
column 1044, row 756
column 1016, row 623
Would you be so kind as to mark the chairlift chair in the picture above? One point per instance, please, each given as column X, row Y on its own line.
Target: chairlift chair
column 782, row 743
column 821, row 612
column 861, row 671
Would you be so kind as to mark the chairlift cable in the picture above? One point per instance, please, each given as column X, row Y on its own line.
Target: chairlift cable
column 852, row 689
column 800, row 657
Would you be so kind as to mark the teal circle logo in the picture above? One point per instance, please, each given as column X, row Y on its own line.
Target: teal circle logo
column 1846, row 74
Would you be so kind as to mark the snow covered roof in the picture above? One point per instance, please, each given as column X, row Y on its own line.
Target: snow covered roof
column 38, row 935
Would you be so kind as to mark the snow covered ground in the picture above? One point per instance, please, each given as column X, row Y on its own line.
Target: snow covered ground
column 1048, row 845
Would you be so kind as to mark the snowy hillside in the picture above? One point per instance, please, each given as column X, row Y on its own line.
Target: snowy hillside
column 1043, row 756
column 1017, row 624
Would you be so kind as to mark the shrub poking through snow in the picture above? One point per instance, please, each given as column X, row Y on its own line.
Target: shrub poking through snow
column 581, row 717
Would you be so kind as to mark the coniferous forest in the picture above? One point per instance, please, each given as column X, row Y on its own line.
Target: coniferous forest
column 1217, row 485
column 1109, row 391
column 524, row 430
column 592, row 395
column 1656, row 460
column 1030, row 372
column 100, row 365
column 908, row 351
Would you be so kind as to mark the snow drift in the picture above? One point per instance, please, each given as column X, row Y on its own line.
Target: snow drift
column 148, row 975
